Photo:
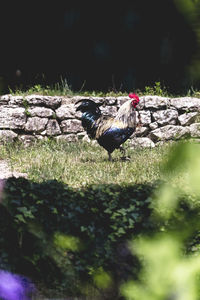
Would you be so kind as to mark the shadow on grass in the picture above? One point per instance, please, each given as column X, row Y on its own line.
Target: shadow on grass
column 63, row 238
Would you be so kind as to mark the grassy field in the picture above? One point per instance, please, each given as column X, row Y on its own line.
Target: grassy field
column 80, row 164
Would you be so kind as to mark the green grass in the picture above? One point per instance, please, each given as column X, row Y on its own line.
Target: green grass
column 63, row 89
column 80, row 164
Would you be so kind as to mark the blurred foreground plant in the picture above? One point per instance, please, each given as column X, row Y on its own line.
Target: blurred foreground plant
column 169, row 268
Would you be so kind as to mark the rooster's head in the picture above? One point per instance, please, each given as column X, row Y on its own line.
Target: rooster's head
column 135, row 100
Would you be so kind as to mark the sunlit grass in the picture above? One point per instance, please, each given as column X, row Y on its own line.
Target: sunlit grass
column 80, row 164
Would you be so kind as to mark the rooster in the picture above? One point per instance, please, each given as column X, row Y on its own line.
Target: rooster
column 109, row 132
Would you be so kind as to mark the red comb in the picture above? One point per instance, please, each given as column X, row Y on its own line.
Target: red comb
column 134, row 96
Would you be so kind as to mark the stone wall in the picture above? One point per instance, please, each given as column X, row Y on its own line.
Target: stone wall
column 35, row 117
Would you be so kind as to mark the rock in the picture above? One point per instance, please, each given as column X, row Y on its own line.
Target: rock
column 53, row 128
column 36, row 124
column 169, row 142
column 111, row 100
column 141, row 131
column 7, row 136
column 71, row 126
column 67, row 111
column 94, row 143
column 121, row 100
column 78, row 98
column 16, row 100
column 110, row 111
column 195, row 130
column 66, row 100
column 164, row 117
column 142, row 142
column 27, row 140
column 48, row 101
column 6, row 172
column 169, row 132
column 40, row 137
column 67, row 138
column 156, row 102
column 86, row 139
column 81, row 135
column 186, row 104
column 43, row 133
column 153, row 125
column 42, row 112
column 4, row 99
column 43, row 116
column 145, row 117
column 187, row 118
column 12, row 117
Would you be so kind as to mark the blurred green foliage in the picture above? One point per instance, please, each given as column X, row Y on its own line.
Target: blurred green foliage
column 166, row 273
column 170, row 259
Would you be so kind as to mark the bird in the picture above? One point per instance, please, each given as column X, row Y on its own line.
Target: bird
column 110, row 132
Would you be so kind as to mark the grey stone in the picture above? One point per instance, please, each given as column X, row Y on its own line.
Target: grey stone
column 27, row 140
column 42, row 112
column 145, row 117
column 7, row 136
column 16, row 100
column 4, row 99
column 109, row 110
column 53, row 128
column 142, row 142
column 153, row 125
column 81, row 135
column 168, row 132
column 48, row 101
column 41, row 137
column 167, row 116
column 67, row 100
column 140, row 131
column 12, row 117
column 121, row 100
column 111, row 100
column 156, row 102
column 186, row 103
column 195, row 130
column 188, row 118
column 86, row 139
column 36, row 124
column 66, row 111
column 71, row 126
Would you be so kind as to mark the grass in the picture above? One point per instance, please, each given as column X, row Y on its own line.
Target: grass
column 62, row 88
column 80, row 164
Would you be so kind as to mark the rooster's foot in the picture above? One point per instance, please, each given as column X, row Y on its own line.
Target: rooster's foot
column 125, row 158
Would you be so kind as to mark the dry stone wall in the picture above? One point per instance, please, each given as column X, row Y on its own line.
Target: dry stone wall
column 34, row 117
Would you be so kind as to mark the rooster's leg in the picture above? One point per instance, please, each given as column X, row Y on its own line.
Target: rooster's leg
column 109, row 156
column 123, row 151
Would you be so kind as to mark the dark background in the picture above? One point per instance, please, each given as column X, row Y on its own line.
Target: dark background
column 96, row 45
